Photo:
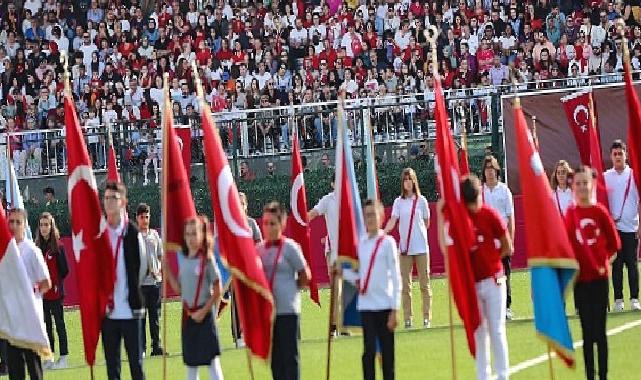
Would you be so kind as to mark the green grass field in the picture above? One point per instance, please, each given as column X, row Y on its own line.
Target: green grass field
column 420, row 353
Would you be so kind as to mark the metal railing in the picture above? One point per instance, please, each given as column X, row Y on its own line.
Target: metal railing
column 248, row 134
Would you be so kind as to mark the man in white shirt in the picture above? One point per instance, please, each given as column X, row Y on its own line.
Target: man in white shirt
column 135, row 93
column 298, row 35
column 623, row 197
column 87, row 48
column 38, row 274
column 497, row 195
column 379, row 291
column 126, row 307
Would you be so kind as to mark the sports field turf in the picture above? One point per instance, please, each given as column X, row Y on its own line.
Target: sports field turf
column 420, row 353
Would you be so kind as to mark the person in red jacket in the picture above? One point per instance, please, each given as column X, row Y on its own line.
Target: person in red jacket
column 595, row 241
column 48, row 240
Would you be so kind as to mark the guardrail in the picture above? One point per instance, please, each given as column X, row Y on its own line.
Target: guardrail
column 247, row 134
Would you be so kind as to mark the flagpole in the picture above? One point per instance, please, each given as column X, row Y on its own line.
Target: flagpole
column 550, row 364
column 432, row 41
column 535, row 136
column 164, row 221
column 333, row 276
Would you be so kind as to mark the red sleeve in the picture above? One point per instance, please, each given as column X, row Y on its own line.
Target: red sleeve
column 613, row 242
column 569, row 224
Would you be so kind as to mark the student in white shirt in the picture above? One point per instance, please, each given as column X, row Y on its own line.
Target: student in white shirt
column 623, row 197
column 498, row 196
column 412, row 213
column 560, row 183
column 380, row 291
column 328, row 208
column 38, row 274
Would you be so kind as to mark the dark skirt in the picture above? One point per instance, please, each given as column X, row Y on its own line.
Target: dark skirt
column 199, row 341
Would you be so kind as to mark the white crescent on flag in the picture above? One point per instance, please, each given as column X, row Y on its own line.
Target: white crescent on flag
column 225, row 182
column 81, row 172
column 581, row 109
column 298, row 184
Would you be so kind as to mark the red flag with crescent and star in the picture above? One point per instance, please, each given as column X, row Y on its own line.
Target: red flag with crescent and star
column 255, row 302
column 178, row 204
column 298, row 224
column 582, row 119
column 458, row 227
column 91, row 245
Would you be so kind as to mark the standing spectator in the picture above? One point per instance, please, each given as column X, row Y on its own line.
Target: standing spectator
column 623, row 197
column 560, row 183
column 50, row 196
column 594, row 240
column 36, row 269
column 412, row 213
column 380, row 289
column 48, row 241
column 152, row 283
column 126, row 308
column 287, row 272
column 498, row 72
column 498, row 196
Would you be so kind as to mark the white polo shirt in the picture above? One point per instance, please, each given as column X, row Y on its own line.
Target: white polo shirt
column 384, row 287
column 328, row 207
column 616, row 183
column 34, row 263
column 402, row 209
column 500, row 199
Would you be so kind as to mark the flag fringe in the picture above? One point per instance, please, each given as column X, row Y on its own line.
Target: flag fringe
column 43, row 351
column 566, row 355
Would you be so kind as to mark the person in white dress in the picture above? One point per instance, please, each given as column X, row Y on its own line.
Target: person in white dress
column 560, row 182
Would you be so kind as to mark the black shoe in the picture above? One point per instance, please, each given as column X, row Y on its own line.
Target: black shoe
column 158, row 351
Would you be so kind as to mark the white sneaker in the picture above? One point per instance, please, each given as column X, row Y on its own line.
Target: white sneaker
column 634, row 304
column 240, row 343
column 47, row 365
column 61, row 363
column 426, row 323
column 508, row 314
column 619, row 305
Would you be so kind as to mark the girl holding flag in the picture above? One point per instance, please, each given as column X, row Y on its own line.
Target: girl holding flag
column 595, row 242
column 287, row 272
column 198, row 283
column 560, row 183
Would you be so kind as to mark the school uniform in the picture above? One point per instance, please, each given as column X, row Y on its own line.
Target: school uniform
column 623, row 197
column 126, row 307
column 150, row 288
column 37, row 271
column 380, row 294
column 491, row 293
column 411, row 214
column 594, row 240
column 500, row 199
column 52, row 300
column 196, row 276
column 282, row 260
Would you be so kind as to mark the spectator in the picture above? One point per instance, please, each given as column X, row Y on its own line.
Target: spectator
column 271, row 169
column 245, row 173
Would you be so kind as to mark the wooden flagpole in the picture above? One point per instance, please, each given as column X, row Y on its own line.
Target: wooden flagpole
column 432, row 41
column 550, row 364
column 164, row 221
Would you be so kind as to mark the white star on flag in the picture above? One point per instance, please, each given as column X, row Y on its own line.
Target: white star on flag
column 78, row 245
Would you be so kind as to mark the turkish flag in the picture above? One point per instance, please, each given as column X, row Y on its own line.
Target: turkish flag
column 551, row 259
column 577, row 110
column 298, row 223
column 112, row 168
column 177, row 203
column 183, row 135
column 634, row 127
column 254, row 297
column 91, row 245
column 457, row 224
column 582, row 118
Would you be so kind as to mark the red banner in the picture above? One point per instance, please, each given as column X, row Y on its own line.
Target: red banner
column 184, row 143
column 577, row 109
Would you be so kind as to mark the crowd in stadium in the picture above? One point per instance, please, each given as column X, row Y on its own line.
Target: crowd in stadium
column 259, row 54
